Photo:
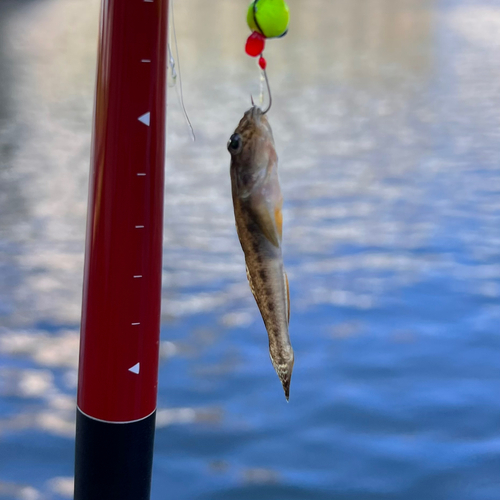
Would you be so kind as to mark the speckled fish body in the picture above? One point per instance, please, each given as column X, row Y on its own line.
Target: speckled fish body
column 257, row 204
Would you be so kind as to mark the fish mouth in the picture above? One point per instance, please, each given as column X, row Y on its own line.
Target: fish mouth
column 258, row 117
column 255, row 112
column 252, row 119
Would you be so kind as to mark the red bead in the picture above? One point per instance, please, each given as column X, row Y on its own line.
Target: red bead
column 255, row 44
column 262, row 63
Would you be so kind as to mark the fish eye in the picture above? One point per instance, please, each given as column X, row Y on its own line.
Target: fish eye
column 234, row 143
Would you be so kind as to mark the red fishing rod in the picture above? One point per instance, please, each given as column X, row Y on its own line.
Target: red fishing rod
column 118, row 371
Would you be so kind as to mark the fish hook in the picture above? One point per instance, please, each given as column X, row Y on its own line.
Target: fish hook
column 269, row 92
column 254, row 11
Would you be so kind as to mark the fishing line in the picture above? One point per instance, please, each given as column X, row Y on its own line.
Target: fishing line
column 171, row 65
column 178, row 90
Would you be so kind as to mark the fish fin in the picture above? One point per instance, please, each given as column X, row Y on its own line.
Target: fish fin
column 278, row 219
column 267, row 223
column 287, row 296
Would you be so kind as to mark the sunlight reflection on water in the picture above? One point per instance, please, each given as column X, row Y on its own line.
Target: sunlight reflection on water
column 386, row 123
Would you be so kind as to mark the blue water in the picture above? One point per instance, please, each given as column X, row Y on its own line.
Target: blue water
column 387, row 127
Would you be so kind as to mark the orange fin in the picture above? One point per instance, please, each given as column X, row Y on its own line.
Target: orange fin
column 266, row 223
column 278, row 219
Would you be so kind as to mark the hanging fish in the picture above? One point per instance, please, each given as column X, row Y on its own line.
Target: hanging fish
column 257, row 204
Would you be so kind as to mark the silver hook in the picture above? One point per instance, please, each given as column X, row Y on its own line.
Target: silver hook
column 269, row 92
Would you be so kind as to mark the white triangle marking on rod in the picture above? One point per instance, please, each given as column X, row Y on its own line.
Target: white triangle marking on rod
column 145, row 118
column 135, row 369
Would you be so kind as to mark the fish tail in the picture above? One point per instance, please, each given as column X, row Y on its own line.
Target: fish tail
column 284, row 369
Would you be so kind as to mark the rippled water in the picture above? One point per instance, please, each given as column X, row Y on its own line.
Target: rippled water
column 387, row 124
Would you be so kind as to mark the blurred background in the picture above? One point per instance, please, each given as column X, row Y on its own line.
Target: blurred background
column 387, row 124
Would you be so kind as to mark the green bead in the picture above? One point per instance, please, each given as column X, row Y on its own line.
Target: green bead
column 272, row 17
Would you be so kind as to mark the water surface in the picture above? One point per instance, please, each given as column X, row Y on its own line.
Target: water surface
column 386, row 122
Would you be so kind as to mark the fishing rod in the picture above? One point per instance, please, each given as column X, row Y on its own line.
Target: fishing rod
column 118, row 370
